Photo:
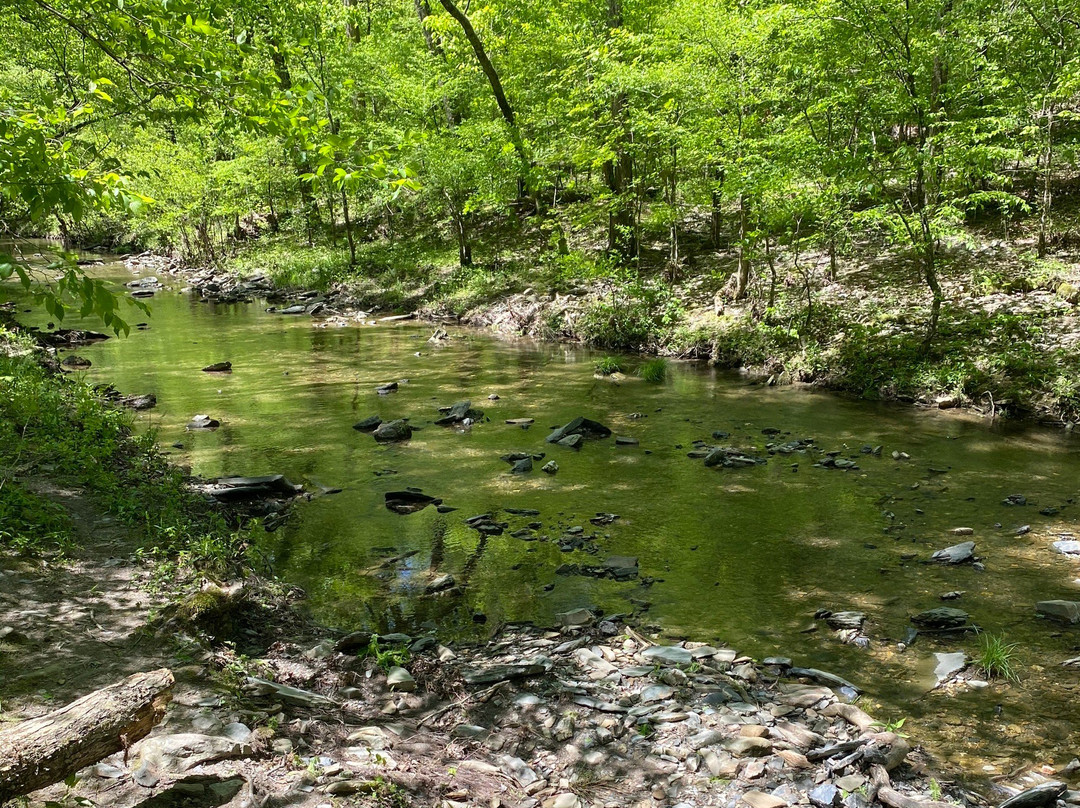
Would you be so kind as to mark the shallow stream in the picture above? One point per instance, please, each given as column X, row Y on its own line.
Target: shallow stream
column 743, row 556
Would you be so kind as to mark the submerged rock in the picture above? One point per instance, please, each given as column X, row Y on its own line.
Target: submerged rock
column 393, row 431
column 202, row 422
column 406, row 502
column 1065, row 611
column 218, row 367
column 1067, row 547
column 369, row 424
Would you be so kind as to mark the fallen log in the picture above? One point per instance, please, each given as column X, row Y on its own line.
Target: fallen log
column 881, row 788
column 41, row 751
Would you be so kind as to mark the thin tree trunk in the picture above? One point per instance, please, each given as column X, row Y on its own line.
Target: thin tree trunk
column 42, row 751
column 672, row 194
column 716, row 212
column 492, row 76
column 742, row 281
column 348, row 228
column 307, row 199
column 1048, row 167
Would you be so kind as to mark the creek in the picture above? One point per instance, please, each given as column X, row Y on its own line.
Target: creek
column 743, row 556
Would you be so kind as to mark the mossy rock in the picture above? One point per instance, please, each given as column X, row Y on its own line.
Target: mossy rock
column 1068, row 292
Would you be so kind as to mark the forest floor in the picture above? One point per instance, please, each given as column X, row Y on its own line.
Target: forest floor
column 1005, row 345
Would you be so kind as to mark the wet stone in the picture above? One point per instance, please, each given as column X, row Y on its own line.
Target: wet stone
column 943, row 617
column 956, row 554
column 1064, row 611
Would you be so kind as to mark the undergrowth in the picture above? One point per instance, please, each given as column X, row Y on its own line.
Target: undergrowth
column 55, row 427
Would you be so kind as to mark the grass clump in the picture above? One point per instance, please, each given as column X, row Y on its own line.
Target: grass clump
column 608, row 365
column 386, row 658
column 996, row 658
column 655, row 370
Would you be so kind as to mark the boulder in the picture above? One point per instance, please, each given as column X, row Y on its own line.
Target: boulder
column 550, row 467
column 392, row 431
column 202, row 422
column 571, row 441
column 369, row 424
column 180, row 753
column 576, row 617
column 523, row 466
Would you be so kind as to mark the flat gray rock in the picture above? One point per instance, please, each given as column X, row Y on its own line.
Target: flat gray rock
column 949, row 665
column 957, row 554
column 667, row 655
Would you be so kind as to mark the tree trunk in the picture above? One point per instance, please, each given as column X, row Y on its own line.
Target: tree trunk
column 351, row 33
column 929, row 262
column 493, row 79
column 672, row 200
column 307, row 199
column 348, row 228
column 717, row 211
column 42, row 751
column 743, row 279
column 1048, row 165
column 423, row 11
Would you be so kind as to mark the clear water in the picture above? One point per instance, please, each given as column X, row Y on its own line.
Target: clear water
column 741, row 556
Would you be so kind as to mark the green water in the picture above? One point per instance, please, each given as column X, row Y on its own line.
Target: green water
column 741, row 556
